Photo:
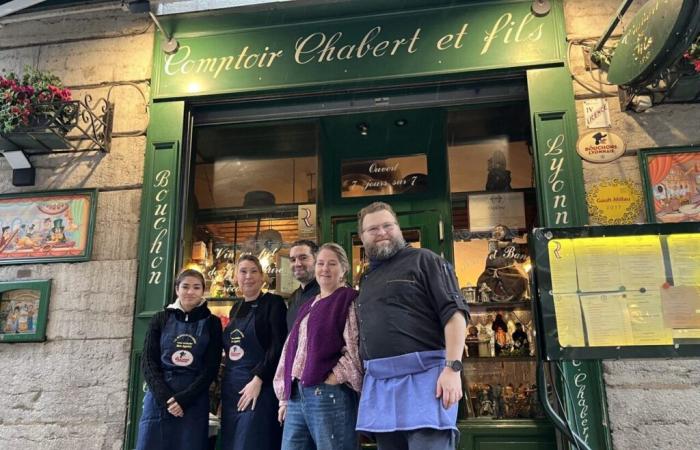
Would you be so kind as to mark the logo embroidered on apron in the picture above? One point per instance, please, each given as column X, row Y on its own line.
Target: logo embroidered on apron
column 182, row 356
column 236, row 352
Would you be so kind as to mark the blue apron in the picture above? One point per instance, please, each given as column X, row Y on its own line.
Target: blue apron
column 398, row 394
column 250, row 429
column 183, row 346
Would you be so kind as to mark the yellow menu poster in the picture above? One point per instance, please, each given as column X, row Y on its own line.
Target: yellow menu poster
column 569, row 320
column 684, row 251
column 641, row 262
column 597, row 265
column 562, row 264
column 686, row 333
column 647, row 319
column 607, row 319
column 681, row 306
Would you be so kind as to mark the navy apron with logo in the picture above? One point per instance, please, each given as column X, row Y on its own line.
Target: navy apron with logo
column 250, row 429
column 183, row 346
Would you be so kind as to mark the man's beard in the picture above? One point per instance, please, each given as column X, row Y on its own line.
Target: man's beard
column 383, row 252
column 304, row 277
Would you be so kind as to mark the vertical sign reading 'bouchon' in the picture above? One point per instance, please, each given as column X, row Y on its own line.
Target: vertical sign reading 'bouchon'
column 160, row 226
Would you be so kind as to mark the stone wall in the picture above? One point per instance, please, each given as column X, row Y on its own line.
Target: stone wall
column 71, row 391
column 649, row 401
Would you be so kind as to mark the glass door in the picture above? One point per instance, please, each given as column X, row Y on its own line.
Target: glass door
column 420, row 230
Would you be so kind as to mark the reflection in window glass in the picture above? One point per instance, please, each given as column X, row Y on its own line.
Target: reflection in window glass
column 234, row 183
column 253, row 183
column 493, row 203
column 492, row 165
column 256, row 165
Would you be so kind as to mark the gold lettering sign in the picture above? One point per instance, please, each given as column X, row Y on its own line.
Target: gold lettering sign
column 614, row 202
column 390, row 176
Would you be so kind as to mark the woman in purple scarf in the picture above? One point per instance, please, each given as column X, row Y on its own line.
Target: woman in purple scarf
column 320, row 370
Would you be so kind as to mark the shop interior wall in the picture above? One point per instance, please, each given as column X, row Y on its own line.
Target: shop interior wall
column 70, row 391
column 649, row 401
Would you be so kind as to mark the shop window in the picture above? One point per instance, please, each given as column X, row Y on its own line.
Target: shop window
column 256, row 165
column 255, row 193
column 493, row 207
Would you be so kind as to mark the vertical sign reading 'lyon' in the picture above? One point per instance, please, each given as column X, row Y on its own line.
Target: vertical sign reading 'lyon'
column 555, row 179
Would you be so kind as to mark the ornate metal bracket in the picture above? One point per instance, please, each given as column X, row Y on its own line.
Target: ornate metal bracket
column 64, row 127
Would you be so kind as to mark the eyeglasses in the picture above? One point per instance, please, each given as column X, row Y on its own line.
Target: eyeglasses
column 374, row 230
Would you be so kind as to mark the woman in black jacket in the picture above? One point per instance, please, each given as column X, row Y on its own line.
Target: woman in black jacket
column 253, row 342
column 181, row 357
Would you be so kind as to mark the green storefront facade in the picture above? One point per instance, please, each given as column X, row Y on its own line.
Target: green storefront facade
column 366, row 62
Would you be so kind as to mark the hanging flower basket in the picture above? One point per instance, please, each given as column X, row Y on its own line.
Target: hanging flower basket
column 36, row 112
column 692, row 55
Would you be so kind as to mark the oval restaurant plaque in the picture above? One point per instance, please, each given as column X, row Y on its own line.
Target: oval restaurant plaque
column 652, row 40
column 600, row 146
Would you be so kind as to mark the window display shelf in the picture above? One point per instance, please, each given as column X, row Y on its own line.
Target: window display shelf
column 495, row 305
column 221, row 299
column 493, row 359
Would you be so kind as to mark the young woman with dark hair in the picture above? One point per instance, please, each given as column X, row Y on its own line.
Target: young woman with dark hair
column 180, row 359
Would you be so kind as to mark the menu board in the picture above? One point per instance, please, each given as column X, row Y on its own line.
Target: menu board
column 627, row 291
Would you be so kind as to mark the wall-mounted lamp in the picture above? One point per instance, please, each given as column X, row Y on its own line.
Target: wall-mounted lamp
column 363, row 128
column 400, row 122
column 541, row 7
column 170, row 44
column 23, row 174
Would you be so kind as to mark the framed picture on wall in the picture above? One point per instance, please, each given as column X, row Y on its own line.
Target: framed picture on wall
column 24, row 306
column 671, row 178
column 44, row 227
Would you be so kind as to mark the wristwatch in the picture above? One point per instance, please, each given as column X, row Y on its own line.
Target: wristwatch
column 455, row 365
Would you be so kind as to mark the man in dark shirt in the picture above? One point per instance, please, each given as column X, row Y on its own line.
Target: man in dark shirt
column 302, row 255
column 412, row 320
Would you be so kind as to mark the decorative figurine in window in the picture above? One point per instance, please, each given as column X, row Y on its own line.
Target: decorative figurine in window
column 502, row 274
column 521, row 343
column 485, row 401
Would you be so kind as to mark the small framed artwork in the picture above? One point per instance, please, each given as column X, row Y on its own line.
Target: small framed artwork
column 671, row 178
column 24, row 306
column 45, row 227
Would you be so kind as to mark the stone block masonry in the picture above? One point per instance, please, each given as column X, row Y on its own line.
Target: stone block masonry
column 71, row 391
column 649, row 401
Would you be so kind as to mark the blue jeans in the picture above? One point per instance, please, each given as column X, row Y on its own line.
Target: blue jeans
column 321, row 417
column 420, row 439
